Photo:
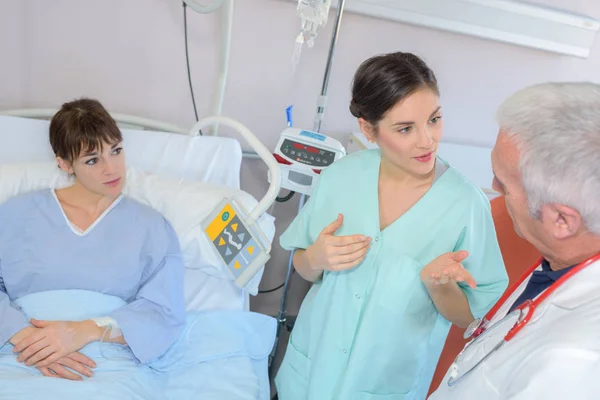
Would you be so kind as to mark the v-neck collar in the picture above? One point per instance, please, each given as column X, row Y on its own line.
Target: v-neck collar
column 442, row 170
column 75, row 229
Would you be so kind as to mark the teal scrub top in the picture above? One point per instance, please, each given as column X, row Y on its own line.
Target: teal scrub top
column 373, row 332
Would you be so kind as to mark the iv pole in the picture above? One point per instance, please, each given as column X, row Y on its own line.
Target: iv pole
column 321, row 104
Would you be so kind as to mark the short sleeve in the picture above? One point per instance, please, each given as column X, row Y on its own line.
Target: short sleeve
column 297, row 235
column 484, row 262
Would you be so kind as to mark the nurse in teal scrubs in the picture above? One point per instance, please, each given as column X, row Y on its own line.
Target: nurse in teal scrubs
column 399, row 246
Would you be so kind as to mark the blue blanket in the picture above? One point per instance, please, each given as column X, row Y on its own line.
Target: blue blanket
column 220, row 355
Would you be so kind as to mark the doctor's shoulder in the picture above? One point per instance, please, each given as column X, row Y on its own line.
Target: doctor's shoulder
column 573, row 359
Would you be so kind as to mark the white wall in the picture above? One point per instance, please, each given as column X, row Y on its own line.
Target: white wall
column 130, row 55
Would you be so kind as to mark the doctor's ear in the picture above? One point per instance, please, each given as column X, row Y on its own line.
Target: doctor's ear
column 368, row 129
column 565, row 221
column 65, row 165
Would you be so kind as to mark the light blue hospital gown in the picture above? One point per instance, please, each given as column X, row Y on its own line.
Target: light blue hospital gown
column 132, row 253
column 373, row 332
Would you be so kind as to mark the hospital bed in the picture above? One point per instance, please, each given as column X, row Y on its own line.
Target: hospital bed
column 184, row 176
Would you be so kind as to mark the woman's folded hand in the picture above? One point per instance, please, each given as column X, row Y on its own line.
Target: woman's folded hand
column 53, row 340
column 67, row 366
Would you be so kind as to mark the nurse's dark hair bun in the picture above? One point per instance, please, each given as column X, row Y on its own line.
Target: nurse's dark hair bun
column 382, row 81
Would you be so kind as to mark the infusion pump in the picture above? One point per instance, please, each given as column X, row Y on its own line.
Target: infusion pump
column 302, row 156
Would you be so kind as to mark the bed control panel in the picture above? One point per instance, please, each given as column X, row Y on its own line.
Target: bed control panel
column 238, row 240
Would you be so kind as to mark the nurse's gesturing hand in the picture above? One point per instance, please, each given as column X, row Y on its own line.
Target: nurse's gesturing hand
column 337, row 253
column 448, row 268
column 440, row 277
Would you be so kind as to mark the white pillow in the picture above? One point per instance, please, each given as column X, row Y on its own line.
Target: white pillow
column 184, row 204
column 21, row 178
column 214, row 159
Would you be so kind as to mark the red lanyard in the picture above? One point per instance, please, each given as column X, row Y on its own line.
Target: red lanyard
column 531, row 305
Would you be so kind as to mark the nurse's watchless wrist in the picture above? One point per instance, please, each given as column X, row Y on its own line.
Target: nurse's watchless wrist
column 308, row 254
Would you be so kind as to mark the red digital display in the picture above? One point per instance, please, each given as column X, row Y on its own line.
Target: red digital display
column 307, row 148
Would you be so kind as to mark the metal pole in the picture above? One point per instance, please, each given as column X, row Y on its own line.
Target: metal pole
column 282, row 315
column 322, row 101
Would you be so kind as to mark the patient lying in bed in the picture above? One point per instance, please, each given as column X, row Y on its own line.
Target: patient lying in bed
column 91, row 284
column 88, row 237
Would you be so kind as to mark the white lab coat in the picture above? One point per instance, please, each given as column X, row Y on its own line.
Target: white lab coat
column 555, row 356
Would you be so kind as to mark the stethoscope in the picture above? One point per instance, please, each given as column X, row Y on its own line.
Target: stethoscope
column 483, row 344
